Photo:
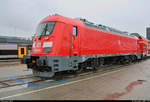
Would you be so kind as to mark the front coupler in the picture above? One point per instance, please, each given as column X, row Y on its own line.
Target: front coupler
column 33, row 62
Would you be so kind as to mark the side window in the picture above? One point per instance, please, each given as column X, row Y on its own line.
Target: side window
column 22, row 50
column 75, row 31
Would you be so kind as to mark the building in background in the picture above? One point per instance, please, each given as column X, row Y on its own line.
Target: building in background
column 13, row 47
column 148, row 33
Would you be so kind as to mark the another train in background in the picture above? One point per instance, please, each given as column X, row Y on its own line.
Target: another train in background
column 14, row 47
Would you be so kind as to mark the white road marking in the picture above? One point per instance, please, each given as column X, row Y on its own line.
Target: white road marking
column 13, row 88
column 48, row 80
column 25, row 93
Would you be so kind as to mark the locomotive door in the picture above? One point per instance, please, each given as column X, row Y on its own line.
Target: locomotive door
column 74, row 40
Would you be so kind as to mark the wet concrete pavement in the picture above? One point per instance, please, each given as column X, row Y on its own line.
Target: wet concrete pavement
column 129, row 83
column 13, row 69
column 10, row 62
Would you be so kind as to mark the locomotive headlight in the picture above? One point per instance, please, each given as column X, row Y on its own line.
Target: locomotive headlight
column 47, row 50
column 33, row 45
column 47, row 44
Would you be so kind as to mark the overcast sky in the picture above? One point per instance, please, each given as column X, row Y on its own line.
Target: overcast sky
column 20, row 17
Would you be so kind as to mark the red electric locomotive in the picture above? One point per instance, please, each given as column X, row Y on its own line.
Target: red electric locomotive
column 65, row 44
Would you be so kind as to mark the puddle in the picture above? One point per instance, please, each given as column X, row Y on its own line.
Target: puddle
column 128, row 89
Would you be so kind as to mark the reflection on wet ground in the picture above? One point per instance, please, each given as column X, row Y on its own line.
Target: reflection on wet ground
column 117, row 85
column 14, row 70
column 128, row 89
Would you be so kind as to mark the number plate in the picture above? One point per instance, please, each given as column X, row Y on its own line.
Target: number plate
column 47, row 44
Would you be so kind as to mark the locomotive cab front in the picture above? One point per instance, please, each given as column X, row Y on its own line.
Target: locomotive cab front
column 43, row 40
column 42, row 49
column 55, row 42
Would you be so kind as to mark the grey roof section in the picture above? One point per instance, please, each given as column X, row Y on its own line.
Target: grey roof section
column 103, row 27
column 138, row 35
column 7, row 39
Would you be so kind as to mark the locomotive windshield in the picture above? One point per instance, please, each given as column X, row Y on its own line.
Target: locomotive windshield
column 45, row 28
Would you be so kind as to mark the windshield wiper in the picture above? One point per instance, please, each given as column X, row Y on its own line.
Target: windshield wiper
column 44, row 31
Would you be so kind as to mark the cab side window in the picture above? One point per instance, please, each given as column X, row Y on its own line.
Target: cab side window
column 75, row 31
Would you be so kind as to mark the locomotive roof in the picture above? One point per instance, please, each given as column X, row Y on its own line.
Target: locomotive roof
column 63, row 19
column 140, row 36
column 84, row 22
column 104, row 28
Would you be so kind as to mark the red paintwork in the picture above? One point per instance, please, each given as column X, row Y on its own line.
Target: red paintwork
column 89, row 40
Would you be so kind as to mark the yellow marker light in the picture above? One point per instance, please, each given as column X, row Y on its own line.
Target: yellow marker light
column 33, row 61
column 46, row 38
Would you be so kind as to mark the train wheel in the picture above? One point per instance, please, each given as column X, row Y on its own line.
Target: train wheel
column 95, row 65
column 80, row 68
column 125, row 60
column 35, row 73
column 128, row 60
column 121, row 60
column 101, row 60
column 133, row 58
column 59, row 76
column 95, row 69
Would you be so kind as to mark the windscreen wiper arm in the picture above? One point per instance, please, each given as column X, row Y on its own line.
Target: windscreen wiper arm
column 44, row 31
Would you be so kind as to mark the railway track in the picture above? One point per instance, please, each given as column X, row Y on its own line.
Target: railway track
column 9, row 60
column 26, row 78
column 32, row 79
column 6, row 83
